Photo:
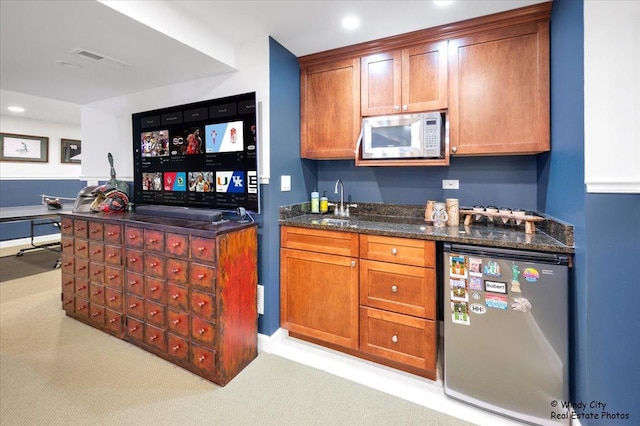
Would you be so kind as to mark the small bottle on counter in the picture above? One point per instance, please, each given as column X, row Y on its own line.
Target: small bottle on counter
column 324, row 203
column 315, row 202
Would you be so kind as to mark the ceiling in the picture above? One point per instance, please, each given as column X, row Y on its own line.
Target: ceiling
column 161, row 42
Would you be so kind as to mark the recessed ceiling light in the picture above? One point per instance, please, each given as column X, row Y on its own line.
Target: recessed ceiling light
column 350, row 23
column 15, row 109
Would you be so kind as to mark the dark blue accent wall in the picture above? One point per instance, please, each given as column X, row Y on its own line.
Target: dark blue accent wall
column 28, row 193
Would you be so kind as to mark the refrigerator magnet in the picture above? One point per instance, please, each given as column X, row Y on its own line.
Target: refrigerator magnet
column 492, row 269
column 477, row 308
column 496, row 301
column 458, row 290
column 475, row 283
column 495, row 287
column 475, row 266
column 458, row 266
column 531, row 275
column 460, row 313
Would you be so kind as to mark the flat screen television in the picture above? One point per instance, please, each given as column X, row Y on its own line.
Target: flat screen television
column 200, row 155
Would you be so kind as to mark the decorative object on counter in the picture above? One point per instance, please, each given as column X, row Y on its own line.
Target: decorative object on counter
column 108, row 198
column 453, row 214
column 505, row 214
column 529, row 220
column 439, row 215
column 324, row 203
column 120, row 185
column 518, row 213
column 428, row 210
column 490, row 209
column 478, row 209
column 315, row 202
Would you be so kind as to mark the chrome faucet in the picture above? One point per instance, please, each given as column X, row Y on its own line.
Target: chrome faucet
column 339, row 210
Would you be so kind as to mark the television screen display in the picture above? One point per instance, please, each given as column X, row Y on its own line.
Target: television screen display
column 203, row 154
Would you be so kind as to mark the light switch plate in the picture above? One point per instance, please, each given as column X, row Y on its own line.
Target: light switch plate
column 450, row 184
column 285, row 183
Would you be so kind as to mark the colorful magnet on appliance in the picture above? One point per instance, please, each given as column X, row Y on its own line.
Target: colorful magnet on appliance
column 497, row 301
column 495, row 287
column 460, row 313
column 531, row 275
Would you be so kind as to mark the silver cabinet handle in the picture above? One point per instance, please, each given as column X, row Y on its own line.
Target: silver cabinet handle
column 405, row 107
column 454, row 149
column 394, row 251
column 353, row 263
column 394, row 338
column 396, row 108
column 394, row 288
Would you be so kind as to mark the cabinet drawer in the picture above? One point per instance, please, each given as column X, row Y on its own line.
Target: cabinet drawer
column 400, row 338
column 96, row 251
column 177, row 347
column 202, row 304
column 135, row 283
column 155, row 313
column 135, row 329
column 112, row 233
column 96, row 231
column 82, row 248
column 203, row 331
column 405, row 289
column 177, row 244
column 113, row 255
column 81, row 267
column 82, row 288
column 66, row 244
column 178, row 297
column 113, row 321
column 398, row 250
column 80, row 228
column 67, row 264
column 177, row 270
column 134, row 306
column 155, row 336
column 134, row 237
column 96, row 294
column 154, row 265
column 67, row 283
column 153, row 240
column 82, row 307
column 178, row 322
column 154, row 289
column 68, row 302
column 96, row 314
column 204, row 359
column 96, row 272
column 113, row 277
column 113, row 298
column 202, row 277
column 135, row 261
column 66, row 226
column 329, row 242
column 203, row 249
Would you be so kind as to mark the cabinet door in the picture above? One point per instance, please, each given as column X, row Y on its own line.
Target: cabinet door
column 424, row 77
column 330, row 110
column 499, row 91
column 381, row 83
column 319, row 296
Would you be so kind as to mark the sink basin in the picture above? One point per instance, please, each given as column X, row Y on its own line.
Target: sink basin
column 334, row 222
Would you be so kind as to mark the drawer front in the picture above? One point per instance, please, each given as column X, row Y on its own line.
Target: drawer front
column 66, row 226
column 398, row 250
column 82, row 248
column 154, row 240
column 66, row 243
column 135, row 329
column 67, row 265
column 68, row 284
column 135, row 284
column 82, row 288
column 202, row 304
column 96, row 314
column 155, row 313
column 113, row 277
column 154, row 289
column 68, row 302
column 82, row 307
column 96, row 272
column 81, row 267
column 202, row 277
column 203, row 249
column 96, row 231
column 156, row 337
column 203, row 358
column 397, row 337
column 178, row 271
column 96, row 251
column 329, row 242
column 113, row 299
column 135, row 261
column 112, row 233
column 405, row 289
column 96, row 294
column 134, row 306
column 80, row 228
column 113, row 321
column 113, row 255
column 177, row 245
column 203, row 331
column 134, row 237
column 178, row 322
column 177, row 347
column 154, row 265
column 177, row 297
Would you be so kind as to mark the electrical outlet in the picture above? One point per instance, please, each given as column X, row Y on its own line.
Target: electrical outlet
column 285, row 183
column 260, row 299
column 450, row 184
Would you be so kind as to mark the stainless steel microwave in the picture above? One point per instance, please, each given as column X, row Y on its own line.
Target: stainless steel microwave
column 404, row 136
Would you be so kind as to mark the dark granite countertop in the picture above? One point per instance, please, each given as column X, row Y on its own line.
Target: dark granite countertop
column 551, row 235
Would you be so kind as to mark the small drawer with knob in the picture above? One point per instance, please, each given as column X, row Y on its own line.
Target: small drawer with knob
column 96, row 294
column 154, row 289
column 66, row 226
column 134, row 284
column 134, row 329
column 203, row 249
column 68, row 302
column 134, row 306
column 67, row 265
column 113, row 277
column 81, row 267
column 113, row 255
column 177, row 297
column 96, row 272
column 156, row 337
column 177, row 271
column 177, row 245
column 203, row 359
column 112, row 233
column 96, row 314
column 82, row 249
column 66, row 244
column 202, row 277
column 135, row 261
column 405, row 251
column 154, row 265
column 202, row 304
column 400, row 338
column 177, row 347
column 154, row 240
column 96, row 251
column 203, row 331
column 96, row 231
column 80, row 228
column 155, row 313
column 113, row 322
column 134, row 237
column 113, row 298
column 178, row 322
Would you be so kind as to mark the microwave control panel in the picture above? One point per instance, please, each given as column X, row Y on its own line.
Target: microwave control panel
column 432, row 134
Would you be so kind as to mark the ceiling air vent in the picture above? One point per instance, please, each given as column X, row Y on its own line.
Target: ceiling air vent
column 100, row 58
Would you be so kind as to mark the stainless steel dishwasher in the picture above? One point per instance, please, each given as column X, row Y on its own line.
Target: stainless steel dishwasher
column 505, row 331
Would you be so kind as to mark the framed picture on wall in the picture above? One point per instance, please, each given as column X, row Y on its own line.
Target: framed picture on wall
column 24, row 148
column 70, row 151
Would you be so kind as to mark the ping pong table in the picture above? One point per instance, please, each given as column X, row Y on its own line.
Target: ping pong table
column 38, row 215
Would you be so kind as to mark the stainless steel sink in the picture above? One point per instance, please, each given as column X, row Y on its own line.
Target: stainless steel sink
column 334, row 222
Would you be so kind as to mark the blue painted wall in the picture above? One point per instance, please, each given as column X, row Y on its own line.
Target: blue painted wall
column 27, row 193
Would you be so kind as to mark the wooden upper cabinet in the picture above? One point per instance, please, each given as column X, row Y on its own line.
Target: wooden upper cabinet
column 330, row 109
column 407, row 80
column 499, row 91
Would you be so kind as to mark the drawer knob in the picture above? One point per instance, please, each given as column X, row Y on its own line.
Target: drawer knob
column 68, row 302
column 133, row 236
column 95, row 314
column 175, row 270
column 112, row 255
column 134, row 328
column 353, row 263
column 201, row 304
column 176, row 321
column 175, row 296
column 112, row 298
column 112, row 277
column 153, row 264
column 201, row 331
column 153, row 313
column 111, row 233
column 82, row 308
column 394, row 251
column 153, row 289
column 202, row 358
column 394, row 288
column 394, row 338
column 176, row 245
column 133, row 260
column 201, row 249
column 81, row 248
column 175, row 348
column 200, row 276
column 112, row 320
column 133, row 305
column 152, row 240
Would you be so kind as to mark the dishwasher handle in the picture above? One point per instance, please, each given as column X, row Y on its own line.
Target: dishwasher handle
column 529, row 256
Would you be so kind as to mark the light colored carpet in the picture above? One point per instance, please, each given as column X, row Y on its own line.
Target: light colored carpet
column 57, row 371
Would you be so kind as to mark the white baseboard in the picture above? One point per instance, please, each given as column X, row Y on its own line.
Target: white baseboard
column 27, row 241
column 403, row 385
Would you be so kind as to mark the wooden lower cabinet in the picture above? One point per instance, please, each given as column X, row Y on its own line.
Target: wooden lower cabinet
column 184, row 292
column 375, row 300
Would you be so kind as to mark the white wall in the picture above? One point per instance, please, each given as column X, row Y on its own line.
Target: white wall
column 53, row 169
column 106, row 125
column 612, row 96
